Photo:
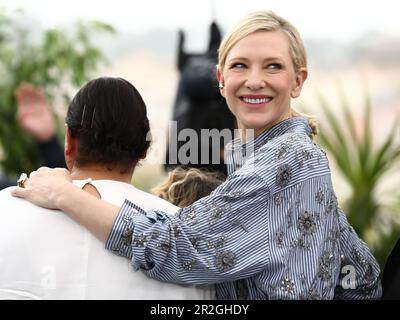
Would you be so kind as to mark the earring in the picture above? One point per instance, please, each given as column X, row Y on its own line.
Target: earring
column 220, row 85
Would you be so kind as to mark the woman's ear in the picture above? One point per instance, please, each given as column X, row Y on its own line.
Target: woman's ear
column 301, row 76
column 70, row 148
column 220, row 81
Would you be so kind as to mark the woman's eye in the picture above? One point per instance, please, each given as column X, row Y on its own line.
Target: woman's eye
column 274, row 66
column 238, row 66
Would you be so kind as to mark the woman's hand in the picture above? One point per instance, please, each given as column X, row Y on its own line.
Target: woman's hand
column 44, row 187
column 52, row 188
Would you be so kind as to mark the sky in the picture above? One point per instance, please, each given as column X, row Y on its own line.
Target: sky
column 339, row 19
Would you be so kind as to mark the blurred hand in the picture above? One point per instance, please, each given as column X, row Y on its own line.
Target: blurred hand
column 33, row 114
column 44, row 186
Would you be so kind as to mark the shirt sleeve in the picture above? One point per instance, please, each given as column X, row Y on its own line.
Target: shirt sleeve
column 274, row 222
column 359, row 276
column 200, row 243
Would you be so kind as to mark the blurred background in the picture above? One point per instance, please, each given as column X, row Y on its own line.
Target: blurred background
column 353, row 87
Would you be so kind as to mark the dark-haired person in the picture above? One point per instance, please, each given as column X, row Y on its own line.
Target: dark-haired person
column 46, row 255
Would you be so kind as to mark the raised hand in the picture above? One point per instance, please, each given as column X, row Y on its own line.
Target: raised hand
column 33, row 113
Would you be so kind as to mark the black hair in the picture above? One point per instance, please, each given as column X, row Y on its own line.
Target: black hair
column 108, row 118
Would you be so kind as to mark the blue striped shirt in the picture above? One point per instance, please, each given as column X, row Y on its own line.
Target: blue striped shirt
column 273, row 230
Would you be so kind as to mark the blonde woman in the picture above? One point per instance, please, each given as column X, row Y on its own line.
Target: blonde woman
column 184, row 186
column 273, row 229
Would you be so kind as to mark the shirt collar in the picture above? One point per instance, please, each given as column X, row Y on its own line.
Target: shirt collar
column 297, row 124
column 81, row 183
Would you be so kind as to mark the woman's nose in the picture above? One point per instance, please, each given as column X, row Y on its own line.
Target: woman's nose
column 255, row 80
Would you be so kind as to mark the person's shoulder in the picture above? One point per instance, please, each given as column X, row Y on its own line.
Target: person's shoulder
column 23, row 210
column 149, row 201
column 291, row 156
column 6, row 191
column 290, row 147
column 7, row 199
column 291, row 139
column 116, row 192
column 143, row 199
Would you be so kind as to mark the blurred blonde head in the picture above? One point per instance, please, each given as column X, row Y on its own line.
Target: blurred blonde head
column 267, row 21
column 182, row 187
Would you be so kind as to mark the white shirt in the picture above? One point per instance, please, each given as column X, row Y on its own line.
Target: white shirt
column 74, row 264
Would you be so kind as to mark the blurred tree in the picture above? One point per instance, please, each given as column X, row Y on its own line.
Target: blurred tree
column 59, row 60
column 364, row 163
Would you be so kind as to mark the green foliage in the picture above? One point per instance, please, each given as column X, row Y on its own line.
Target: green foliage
column 363, row 163
column 58, row 61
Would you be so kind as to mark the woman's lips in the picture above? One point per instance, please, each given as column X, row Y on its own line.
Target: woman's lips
column 256, row 101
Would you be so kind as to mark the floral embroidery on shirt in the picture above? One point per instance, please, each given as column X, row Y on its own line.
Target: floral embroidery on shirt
column 283, row 175
column 278, row 199
column 225, row 260
column 279, row 238
column 155, row 234
column 118, row 251
column 287, row 286
column 303, row 156
column 359, row 256
column 282, row 150
column 127, row 218
column 187, row 215
column 139, row 240
column 300, row 243
column 319, row 196
column 235, row 193
column 216, row 243
column 332, row 202
column 216, row 213
column 307, row 223
column 177, row 231
column 188, row 265
column 165, row 246
column 127, row 236
column 325, row 265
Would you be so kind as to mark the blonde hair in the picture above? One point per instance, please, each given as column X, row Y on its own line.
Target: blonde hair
column 268, row 21
column 182, row 186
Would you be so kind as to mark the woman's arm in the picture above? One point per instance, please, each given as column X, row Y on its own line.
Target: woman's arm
column 53, row 189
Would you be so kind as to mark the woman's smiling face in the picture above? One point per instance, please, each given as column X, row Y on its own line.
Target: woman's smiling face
column 259, row 79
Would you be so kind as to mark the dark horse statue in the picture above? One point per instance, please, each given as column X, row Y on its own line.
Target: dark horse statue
column 199, row 105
